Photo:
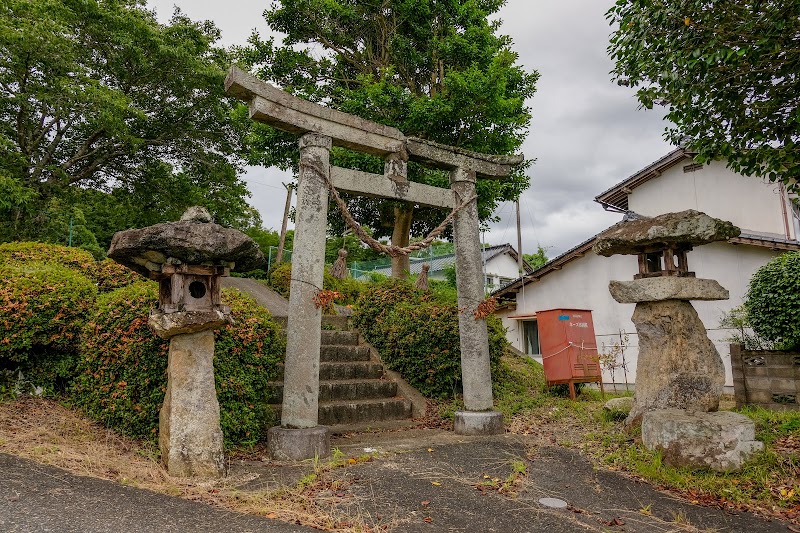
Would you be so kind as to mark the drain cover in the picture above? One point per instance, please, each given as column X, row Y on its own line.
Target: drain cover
column 553, row 502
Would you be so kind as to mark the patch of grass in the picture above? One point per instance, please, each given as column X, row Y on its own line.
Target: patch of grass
column 521, row 386
column 769, row 483
column 49, row 433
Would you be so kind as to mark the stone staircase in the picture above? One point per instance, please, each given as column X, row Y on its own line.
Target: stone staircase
column 355, row 391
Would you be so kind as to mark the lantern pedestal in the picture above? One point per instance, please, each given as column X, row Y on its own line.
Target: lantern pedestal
column 189, row 436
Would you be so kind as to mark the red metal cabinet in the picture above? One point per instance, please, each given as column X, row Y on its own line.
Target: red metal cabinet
column 569, row 347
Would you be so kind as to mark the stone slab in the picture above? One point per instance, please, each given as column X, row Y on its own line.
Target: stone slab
column 287, row 112
column 379, row 186
column 689, row 227
column 478, row 423
column 167, row 325
column 296, row 115
column 666, row 288
column 722, row 441
column 286, row 444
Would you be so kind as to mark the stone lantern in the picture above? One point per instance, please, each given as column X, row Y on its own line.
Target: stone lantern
column 679, row 373
column 188, row 258
column 678, row 365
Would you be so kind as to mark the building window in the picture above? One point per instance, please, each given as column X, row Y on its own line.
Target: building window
column 530, row 334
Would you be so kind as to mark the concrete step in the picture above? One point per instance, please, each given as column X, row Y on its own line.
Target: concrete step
column 339, row 337
column 343, row 352
column 350, row 370
column 344, row 370
column 355, row 389
column 360, row 411
column 334, row 322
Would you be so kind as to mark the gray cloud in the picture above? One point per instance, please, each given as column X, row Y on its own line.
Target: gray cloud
column 587, row 132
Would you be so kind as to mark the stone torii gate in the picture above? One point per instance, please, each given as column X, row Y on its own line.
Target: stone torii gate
column 300, row 436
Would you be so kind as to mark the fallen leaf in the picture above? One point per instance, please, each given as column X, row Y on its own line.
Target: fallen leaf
column 427, row 519
column 426, row 502
column 351, row 461
column 430, row 449
column 273, row 516
column 435, row 483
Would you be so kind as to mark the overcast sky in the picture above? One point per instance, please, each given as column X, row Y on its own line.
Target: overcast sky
column 587, row 133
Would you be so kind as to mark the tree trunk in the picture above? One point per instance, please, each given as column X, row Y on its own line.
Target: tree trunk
column 400, row 237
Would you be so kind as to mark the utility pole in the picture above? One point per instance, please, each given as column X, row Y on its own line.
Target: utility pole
column 282, row 240
column 519, row 242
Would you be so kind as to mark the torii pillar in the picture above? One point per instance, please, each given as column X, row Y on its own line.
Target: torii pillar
column 299, row 437
column 478, row 418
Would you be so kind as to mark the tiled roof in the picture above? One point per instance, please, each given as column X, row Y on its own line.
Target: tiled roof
column 616, row 198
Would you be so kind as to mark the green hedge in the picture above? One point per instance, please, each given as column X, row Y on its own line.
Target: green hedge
column 110, row 275
column 107, row 274
column 280, row 278
column 773, row 301
column 76, row 259
column 44, row 309
column 417, row 335
column 122, row 376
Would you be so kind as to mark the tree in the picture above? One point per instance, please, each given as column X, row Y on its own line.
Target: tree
column 103, row 108
column 538, row 259
column 435, row 69
column 728, row 73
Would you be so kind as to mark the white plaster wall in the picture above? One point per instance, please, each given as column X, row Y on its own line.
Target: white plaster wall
column 583, row 284
column 502, row 265
column 748, row 201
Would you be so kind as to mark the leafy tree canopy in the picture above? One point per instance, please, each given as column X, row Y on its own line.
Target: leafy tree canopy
column 435, row 69
column 538, row 259
column 103, row 108
column 728, row 72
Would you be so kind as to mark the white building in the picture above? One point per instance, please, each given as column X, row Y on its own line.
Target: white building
column 500, row 266
column 578, row 278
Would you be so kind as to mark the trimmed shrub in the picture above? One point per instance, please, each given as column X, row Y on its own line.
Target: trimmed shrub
column 280, row 279
column 44, row 309
column 773, row 301
column 417, row 335
column 110, row 275
column 43, row 306
column 76, row 259
column 123, row 379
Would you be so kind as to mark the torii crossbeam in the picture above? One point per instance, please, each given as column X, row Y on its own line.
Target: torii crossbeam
column 300, row 436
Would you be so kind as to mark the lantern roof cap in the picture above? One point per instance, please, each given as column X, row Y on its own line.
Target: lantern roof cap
column 194, row 239
column 685, row 229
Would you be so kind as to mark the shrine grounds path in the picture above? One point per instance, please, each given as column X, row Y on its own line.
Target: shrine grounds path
column 416, row 481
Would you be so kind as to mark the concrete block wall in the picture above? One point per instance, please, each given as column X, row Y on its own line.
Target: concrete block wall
column 769, row 379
